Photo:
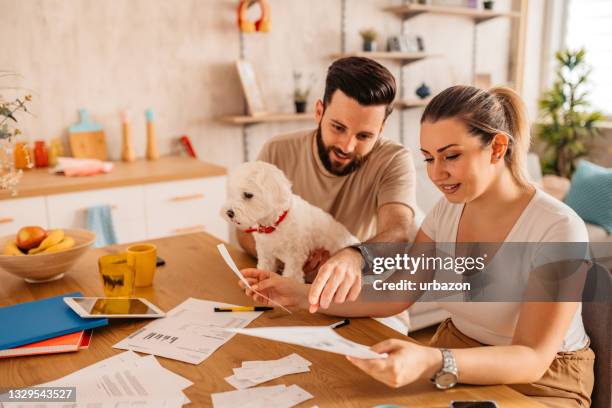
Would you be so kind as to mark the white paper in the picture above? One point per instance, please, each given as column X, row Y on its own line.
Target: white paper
column 232, row 399
column 190, row 332
column 278, row 396
column 253, row 373
column 124, row 380
column 232, row 265
column 317, row 337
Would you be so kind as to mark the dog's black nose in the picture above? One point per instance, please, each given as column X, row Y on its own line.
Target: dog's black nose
column 230, row 213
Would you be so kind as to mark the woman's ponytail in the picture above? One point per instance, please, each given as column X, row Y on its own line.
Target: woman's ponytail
column 518, row 127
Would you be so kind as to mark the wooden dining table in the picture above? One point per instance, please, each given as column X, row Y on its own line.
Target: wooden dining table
column 195, row 269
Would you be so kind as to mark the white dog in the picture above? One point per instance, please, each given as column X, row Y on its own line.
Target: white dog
column 286, row 227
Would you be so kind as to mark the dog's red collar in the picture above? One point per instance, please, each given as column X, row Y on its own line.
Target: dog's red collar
column 268, row 229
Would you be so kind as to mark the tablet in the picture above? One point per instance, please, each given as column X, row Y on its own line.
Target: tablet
column 90, row 307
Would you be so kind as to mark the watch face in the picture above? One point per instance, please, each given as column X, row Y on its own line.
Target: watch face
column 446, row 380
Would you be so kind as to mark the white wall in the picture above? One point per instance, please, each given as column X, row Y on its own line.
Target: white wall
column 177, row 58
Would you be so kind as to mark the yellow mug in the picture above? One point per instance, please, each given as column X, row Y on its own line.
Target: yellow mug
column 117, row 275
column 143, row 258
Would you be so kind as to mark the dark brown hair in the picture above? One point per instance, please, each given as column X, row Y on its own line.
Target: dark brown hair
column 362, row 79
column 487, row 113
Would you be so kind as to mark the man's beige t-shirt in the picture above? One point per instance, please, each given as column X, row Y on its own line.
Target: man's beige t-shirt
column 387, row 176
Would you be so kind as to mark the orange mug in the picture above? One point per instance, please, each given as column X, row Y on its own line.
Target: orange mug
column 143, row 258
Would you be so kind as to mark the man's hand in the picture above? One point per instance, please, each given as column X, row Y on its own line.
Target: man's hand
column 339, row 280
column 316, row 258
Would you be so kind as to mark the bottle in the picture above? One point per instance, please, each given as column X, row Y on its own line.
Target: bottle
column 152, row 152
column 127, row 149
column 41, row 154
column 22, row 156
column 56, row 150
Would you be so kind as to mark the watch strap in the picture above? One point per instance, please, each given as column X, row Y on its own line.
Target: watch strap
column 449, row 366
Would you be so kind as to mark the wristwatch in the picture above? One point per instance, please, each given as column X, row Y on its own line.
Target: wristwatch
column 448, row 376
column 365, row 255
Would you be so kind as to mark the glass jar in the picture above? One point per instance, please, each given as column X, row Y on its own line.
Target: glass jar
column 41, row 155
column 23, row 157
column 56, row 150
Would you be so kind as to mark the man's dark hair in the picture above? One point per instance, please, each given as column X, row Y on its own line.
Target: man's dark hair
column 362, row 79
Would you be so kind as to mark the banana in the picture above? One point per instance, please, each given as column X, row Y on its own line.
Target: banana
column 66, row 243
column 54, row 238
column 11, row 249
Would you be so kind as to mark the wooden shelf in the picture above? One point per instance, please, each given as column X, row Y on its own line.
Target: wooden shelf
column 266, row 118
column 411, row 103
column 403, row 57
column 413, row 10
column 39, row 182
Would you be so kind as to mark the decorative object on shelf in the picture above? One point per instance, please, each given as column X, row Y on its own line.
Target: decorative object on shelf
column 423, row 91
column 127, row 148
column 405, row 43
column 472, row 4
column 262, row 24
column 186, row 143
column 420, row 43
column 301, row 91
column 369, row 36
column 9, row 173
column 394, row 44
column 56, row 150
column 488, row 4
column 23, row 156
column 250, row 86
column 41, row 154
column 87, row 139
column 152, row 152
column 567, row 122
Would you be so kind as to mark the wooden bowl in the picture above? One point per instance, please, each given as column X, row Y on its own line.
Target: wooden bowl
column 46, row 267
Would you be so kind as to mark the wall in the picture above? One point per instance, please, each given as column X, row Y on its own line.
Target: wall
column 177, row 58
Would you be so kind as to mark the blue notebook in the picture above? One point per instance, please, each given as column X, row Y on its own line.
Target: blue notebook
column 43, row 319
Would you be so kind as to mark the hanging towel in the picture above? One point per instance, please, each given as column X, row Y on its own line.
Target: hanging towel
column 100, row 221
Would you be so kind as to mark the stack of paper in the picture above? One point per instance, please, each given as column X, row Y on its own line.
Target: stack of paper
column 190, row 332
column 257, row 372
column 278, row 396
column 124, row 380
column 62, row 344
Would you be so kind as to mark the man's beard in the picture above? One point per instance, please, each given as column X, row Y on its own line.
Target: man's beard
column 334, row 168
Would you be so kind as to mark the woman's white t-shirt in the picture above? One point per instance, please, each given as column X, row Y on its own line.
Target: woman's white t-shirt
column 545, row 219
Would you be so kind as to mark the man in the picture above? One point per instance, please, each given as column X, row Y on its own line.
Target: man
column 348, row 169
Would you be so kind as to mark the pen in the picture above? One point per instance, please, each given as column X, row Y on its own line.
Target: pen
column 243, row 309
column 341, row 323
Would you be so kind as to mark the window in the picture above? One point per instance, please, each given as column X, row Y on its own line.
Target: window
column 589, row 25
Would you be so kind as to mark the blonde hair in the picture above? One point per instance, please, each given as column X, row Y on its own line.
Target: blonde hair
column 486, row 114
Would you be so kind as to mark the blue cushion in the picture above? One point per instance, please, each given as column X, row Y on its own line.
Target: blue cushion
column 591, row 194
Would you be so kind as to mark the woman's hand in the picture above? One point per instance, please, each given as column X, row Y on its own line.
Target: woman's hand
column 284, row 291
column 406, row 362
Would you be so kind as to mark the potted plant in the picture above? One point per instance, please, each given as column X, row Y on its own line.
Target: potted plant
column 369, row 36
column 301, row 91
column 488, row 4
column 567, row 123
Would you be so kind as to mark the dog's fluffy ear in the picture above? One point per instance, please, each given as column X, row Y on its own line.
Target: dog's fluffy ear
column 276, row 184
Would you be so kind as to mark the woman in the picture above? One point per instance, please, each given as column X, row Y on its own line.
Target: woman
column 475, row 144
